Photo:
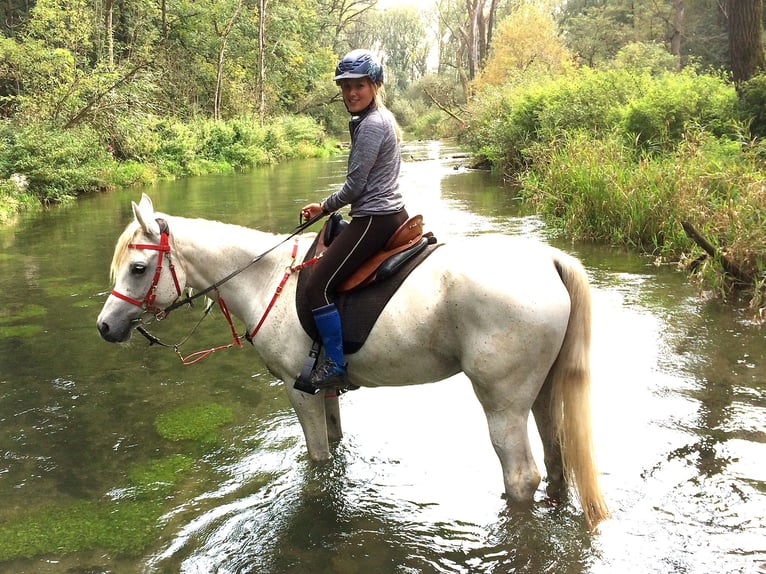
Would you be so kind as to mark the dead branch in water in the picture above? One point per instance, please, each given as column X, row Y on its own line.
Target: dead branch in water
column 728, row 265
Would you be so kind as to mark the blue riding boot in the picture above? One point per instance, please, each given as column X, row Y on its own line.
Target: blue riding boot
column 332, row 371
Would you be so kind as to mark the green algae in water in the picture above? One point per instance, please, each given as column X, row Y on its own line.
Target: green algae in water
column 197, row 423
column 159, row 477
column 124, row 525
column 9, row 315
column 124, row 528
column 20, row 331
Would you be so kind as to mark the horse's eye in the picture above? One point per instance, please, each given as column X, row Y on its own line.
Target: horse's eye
column 137, row 268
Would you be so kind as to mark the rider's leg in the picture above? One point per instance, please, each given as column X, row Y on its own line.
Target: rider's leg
column 360, row 240
column 333, row 370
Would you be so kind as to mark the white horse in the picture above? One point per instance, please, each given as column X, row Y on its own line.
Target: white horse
column 512, row 314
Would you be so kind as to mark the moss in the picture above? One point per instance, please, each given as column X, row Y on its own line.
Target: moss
column 198, row 423
column 20, row 331
column 158, row 477
column 26, row 312
column 124, row 528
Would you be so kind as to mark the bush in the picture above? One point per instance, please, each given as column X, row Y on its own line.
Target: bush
column 506, row 125
column 59, row 165
column 752, row 105
column 672, row 102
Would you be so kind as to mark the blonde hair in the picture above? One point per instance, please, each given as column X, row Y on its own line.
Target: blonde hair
column 380, row 103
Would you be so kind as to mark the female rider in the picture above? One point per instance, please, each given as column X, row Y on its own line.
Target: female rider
column 371, row 189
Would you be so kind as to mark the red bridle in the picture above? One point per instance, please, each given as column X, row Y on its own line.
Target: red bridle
column 147, row 304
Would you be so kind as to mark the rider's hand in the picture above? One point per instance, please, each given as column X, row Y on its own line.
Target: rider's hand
column 311, row 210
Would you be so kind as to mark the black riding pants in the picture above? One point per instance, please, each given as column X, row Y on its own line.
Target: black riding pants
column 360, row 240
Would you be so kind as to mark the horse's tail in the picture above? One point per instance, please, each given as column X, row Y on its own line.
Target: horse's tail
column 569, row 380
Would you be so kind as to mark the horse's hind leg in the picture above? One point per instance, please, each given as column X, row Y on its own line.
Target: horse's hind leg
column 508, row 432
column 554, row 465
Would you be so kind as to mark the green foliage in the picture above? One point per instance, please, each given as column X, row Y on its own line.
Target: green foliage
column 506, row 125
column 650, row 111
column 62, row 164
column 58, row 164
column 752, row 104
column 624, row 155
column 671, row 102
column 597, row 189
column 644, row 58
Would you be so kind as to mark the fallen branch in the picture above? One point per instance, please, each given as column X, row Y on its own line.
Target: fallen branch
column 442, row 107
column 728, row 265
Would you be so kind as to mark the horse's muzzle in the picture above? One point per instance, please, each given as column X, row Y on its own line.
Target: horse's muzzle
column 113, row 335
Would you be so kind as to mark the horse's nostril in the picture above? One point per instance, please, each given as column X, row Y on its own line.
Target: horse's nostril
column 103, row 328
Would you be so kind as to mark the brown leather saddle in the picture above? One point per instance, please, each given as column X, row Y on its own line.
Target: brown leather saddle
column 362, row 296
column 407, row 240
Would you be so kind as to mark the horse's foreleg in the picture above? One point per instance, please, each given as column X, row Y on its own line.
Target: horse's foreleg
column 312, row 416
column 332, row 415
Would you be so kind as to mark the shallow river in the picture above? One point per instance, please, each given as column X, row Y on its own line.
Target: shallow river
column 91, row 481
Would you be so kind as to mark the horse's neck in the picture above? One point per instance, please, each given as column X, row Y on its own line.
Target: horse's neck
column 211, row 250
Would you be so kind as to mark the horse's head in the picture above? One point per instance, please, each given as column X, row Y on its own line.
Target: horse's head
column 143, row 273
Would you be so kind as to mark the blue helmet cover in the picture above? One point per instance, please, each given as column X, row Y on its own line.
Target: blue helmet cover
column 359, row 64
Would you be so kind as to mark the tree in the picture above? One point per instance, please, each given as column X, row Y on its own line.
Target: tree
column 465, row 35
column 339, row 22
column 526, row 42
column 745, row 26
column 402, row 37
column 223, row 32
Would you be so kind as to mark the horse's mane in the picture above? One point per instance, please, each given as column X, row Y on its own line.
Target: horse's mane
column 121, row 249
column 129, row 235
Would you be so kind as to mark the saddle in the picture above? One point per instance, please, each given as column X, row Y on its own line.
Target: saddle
column 405, row 243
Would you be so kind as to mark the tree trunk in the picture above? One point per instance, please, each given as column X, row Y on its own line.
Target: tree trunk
column 678, row 30
column 745, row 38
column 109, row 32
column 224, row 36
column 262, row 61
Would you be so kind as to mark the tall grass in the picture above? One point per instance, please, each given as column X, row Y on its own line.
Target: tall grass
column 626, row 156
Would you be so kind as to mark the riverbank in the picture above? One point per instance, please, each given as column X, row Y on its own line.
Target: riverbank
column 40, row 165
column 639, row 158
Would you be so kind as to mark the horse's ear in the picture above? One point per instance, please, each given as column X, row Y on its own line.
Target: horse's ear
column 144, row 212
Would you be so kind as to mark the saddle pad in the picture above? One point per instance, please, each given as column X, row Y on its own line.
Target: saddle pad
column 360, row 308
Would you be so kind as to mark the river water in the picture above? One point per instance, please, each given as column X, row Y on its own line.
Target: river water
column 414, row 486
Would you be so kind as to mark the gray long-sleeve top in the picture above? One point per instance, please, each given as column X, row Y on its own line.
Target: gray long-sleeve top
column 372, row 181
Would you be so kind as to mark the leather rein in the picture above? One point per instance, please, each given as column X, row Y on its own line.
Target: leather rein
column 159, row 314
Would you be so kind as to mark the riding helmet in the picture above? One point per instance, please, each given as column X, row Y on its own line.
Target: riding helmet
column 359, row 64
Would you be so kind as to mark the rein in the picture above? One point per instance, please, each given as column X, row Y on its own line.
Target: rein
column 147, row 303
column 187, row 301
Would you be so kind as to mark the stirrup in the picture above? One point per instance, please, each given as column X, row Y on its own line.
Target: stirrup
column 329, row 374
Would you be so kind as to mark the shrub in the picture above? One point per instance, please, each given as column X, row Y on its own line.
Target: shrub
column 752, row 104
column 671, row 102
column 59, row 165
column 507, row 124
